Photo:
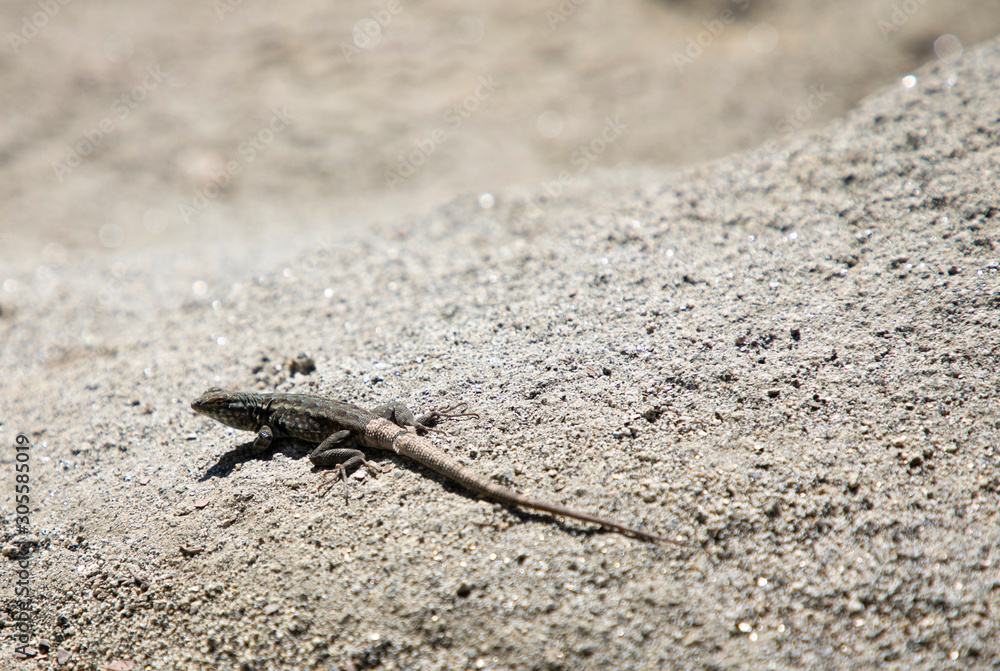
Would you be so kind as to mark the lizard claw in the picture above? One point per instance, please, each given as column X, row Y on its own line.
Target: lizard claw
column 329, row 481
column 457, row 411
column 451, row 412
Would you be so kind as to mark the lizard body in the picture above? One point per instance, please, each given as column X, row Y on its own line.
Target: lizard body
column 334, row 424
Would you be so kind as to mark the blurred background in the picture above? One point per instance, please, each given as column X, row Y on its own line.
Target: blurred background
column 180, row 125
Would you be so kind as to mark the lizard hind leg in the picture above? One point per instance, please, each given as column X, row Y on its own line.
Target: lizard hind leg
column 329, row 453
column 400, row 415
column 451, row 412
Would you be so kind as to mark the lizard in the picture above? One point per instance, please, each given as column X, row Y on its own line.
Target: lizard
column 336, row 425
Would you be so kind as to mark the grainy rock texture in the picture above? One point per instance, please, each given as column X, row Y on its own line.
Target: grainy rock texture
column 787, row 357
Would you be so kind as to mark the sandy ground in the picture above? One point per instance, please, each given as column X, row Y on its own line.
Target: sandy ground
column 786, row 355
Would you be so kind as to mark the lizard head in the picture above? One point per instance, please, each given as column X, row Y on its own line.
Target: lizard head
column 232, row 408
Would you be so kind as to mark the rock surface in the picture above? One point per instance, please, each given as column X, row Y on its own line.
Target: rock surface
column 788, row 356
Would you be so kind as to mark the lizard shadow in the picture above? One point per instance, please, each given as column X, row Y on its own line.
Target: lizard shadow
column 244, row 452
column 549, row 519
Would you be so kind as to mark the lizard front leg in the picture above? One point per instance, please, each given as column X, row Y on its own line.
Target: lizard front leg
column 263, row 439
column 331, row 453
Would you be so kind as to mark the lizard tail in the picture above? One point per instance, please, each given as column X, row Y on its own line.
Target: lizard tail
column 422, row 451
